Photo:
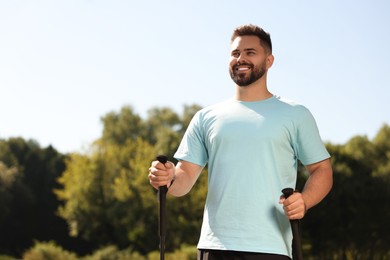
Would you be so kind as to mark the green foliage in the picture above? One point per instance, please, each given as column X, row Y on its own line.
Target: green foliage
column 51, row 251
column 5, row 257
column 357, row 171
column 382, row 156
column 105, row 198
column 106, row 193
column 352, row 222
column 112, row 253
column 165, row 128
column 48, row 251
column 27, row 202
column 185, row 252
column 8, row 177
column 119, row 127
column 163, row 125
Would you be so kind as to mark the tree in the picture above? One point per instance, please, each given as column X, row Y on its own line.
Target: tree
column 16, row 202
column 104, row 197
column 107, row 198
column 119, row 127
column 352, row 220
column 106, row 194
column 29, row 174
column 381, row 143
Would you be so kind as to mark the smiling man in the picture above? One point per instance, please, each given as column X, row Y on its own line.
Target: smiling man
column 252, row 144
column 245, row 49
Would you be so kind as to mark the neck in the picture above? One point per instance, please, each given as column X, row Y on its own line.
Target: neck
column 256, row 91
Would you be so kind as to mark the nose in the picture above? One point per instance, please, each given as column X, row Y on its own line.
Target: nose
column 240, row 59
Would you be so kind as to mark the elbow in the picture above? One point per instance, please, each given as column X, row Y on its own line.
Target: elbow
column 330, row 179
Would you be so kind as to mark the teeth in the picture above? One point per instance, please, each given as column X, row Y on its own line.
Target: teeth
column 242, row 68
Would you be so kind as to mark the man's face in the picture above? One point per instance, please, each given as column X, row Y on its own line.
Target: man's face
column 247, row 60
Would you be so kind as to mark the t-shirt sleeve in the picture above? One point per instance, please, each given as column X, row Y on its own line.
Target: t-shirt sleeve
column 309, row 146
column 192, row 147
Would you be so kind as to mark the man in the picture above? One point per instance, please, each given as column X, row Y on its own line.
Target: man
column 252, row 144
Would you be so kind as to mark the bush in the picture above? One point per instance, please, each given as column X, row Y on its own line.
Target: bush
column 185, row 252
column 5, row 257
column 112, row 253
column 48, row 251
column 51, row 251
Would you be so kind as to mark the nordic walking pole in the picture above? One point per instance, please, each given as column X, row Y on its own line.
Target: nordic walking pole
column 162, row 195
column 296, row 242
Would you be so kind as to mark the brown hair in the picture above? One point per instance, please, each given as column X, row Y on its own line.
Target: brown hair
column 253, row 30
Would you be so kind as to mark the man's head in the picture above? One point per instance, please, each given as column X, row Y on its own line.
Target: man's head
column 251, row 55
column 253, row 30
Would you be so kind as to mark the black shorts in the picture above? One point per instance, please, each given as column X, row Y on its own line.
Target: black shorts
column 206, row 254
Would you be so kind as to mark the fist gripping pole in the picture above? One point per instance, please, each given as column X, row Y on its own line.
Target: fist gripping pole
column 296, row 242
column 162, row 195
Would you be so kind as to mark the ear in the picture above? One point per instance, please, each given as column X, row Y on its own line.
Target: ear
column 269, row 61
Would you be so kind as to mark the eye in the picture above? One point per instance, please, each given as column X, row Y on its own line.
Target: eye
column 251, row 53
column 235, row 54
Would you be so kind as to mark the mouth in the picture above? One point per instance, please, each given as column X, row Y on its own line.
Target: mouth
column 242, row 68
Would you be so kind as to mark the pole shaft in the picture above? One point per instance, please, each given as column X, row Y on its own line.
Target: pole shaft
column 162, row 196
column 296, row 242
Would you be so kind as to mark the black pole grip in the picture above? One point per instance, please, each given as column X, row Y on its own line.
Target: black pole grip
column 162, row 193
column 162, row 158
column 287, row 192
column 296, row 243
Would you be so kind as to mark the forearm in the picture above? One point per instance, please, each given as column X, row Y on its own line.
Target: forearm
column 181, row 186
column 186, row 175
column 318, row 184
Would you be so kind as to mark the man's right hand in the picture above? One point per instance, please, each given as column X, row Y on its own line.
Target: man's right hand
column 161, row 174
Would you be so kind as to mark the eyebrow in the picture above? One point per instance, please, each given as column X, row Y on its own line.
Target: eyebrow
column 246, row 49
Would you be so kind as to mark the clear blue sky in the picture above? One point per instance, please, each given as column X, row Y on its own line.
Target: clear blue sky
column 65, row 64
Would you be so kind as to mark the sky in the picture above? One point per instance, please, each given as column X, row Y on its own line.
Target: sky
column 66, row 64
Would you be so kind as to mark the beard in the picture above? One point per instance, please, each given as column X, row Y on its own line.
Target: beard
column 242, row 79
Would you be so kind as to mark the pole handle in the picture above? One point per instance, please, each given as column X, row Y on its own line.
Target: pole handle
column 162, row 158
column 162, row 192
column 162, row 189
column 296, row 243
column 287, row 192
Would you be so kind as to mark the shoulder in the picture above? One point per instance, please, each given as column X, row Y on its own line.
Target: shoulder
column 216, row 108
column 293, row 110
column 287, row 102
column 291, row 105
column 221, row 104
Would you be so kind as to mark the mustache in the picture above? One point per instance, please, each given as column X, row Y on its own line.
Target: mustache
column 242, row 64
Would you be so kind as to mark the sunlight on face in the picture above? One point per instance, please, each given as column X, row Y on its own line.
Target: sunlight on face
column 247, row 60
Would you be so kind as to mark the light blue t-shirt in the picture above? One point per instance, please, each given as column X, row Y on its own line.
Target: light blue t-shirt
column 252, row 150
